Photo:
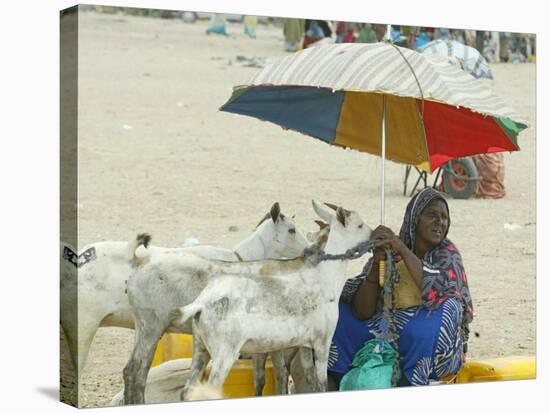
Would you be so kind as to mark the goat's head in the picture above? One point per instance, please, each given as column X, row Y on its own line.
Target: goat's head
column 347, row 229
column 280, row 236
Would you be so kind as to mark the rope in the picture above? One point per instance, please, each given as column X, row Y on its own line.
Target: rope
column 353, row 253
column 391, row 278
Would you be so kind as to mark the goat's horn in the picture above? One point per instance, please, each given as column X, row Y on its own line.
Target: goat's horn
column 331, row 206
column 321, row 224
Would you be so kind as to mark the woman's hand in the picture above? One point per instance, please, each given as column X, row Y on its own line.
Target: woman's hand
column 386, row 238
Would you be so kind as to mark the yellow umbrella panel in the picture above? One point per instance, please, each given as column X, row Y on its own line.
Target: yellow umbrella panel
column 360, row 127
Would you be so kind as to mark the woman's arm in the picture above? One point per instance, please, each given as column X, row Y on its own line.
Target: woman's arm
column 414, row 265
column 365, row 299
column 389, row 240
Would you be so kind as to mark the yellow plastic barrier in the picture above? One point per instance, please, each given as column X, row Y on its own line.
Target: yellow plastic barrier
column 172, row 347
column 502, row 368
column 239, row 382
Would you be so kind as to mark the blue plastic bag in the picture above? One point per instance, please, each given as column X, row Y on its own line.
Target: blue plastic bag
column 372, row 367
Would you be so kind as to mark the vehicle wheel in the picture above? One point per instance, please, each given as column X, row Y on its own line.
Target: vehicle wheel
column 188, row 17
column 461, row 188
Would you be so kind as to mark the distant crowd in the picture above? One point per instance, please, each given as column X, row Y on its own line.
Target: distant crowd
column 302, row 33
column 494, row 46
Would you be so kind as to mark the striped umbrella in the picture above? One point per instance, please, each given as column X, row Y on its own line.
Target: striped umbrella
column 470, row 59
column 382, row 99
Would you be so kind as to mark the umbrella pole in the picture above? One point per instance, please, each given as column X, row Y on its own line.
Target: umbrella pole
column 382, row 167
column 382, row 263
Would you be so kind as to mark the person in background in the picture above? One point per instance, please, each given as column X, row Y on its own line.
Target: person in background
column 458, row 35
column 422, row 39
column 315, row 30
column 490, row 167
column 345, row 32
column 470, row 38
column 250, row 23
column 410, row 33
column 365, row 33
column 397, row 37
column 217, row 24
column 492, row 50
column 480, row 41
column 442, row 33
column 293, row 32
column 380, row 30
column 433, row 331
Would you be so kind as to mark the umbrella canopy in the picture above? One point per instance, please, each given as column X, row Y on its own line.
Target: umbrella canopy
column 339, row 93
column 470, row 59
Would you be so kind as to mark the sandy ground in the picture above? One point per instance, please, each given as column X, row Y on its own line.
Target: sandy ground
column 156, row 155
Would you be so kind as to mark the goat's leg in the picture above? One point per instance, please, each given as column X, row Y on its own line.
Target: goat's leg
column 86, row 332
column 321, row 352
column 200, row 360
column 259, row 372
column 72, row 344
column 302, row 370
column 223, row 358
column 136, row 371
column 278, row 359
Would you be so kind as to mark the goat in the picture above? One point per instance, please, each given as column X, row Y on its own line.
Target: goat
column 170, row 280
column 98, row 284
column 285, row 361
column 296, row 306
column 92, row 292
column 166, row 381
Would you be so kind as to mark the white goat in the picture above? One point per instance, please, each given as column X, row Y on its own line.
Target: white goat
column 167, row 280
column 165, row 382
column 96, row 282
column 296, row 306
column 93, row 292
column 297, row 362
column 68, row 300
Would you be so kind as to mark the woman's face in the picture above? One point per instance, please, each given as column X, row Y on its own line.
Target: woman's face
column 432, row 226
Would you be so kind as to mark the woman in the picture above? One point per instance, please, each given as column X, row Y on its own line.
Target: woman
column 250, row 23
column 217, row 24
column 293, row 32
column 433, row 335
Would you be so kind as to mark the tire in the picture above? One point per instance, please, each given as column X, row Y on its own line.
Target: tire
column 458, row 188
column 188, row 17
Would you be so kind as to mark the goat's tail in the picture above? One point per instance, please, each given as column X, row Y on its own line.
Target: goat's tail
column 204, row 391
column 181, row 315
column 141, row 239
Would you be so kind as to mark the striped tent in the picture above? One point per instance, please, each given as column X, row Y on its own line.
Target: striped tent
column 339, row 93
column 470, row 59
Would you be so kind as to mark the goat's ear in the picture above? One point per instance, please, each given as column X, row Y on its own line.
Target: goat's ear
column 322, row 224
column 341, row 215
column 331, row 206
column 275, row 212
column 325, row 215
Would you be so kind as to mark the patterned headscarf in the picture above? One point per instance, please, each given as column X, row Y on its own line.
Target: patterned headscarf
column 416, row 205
